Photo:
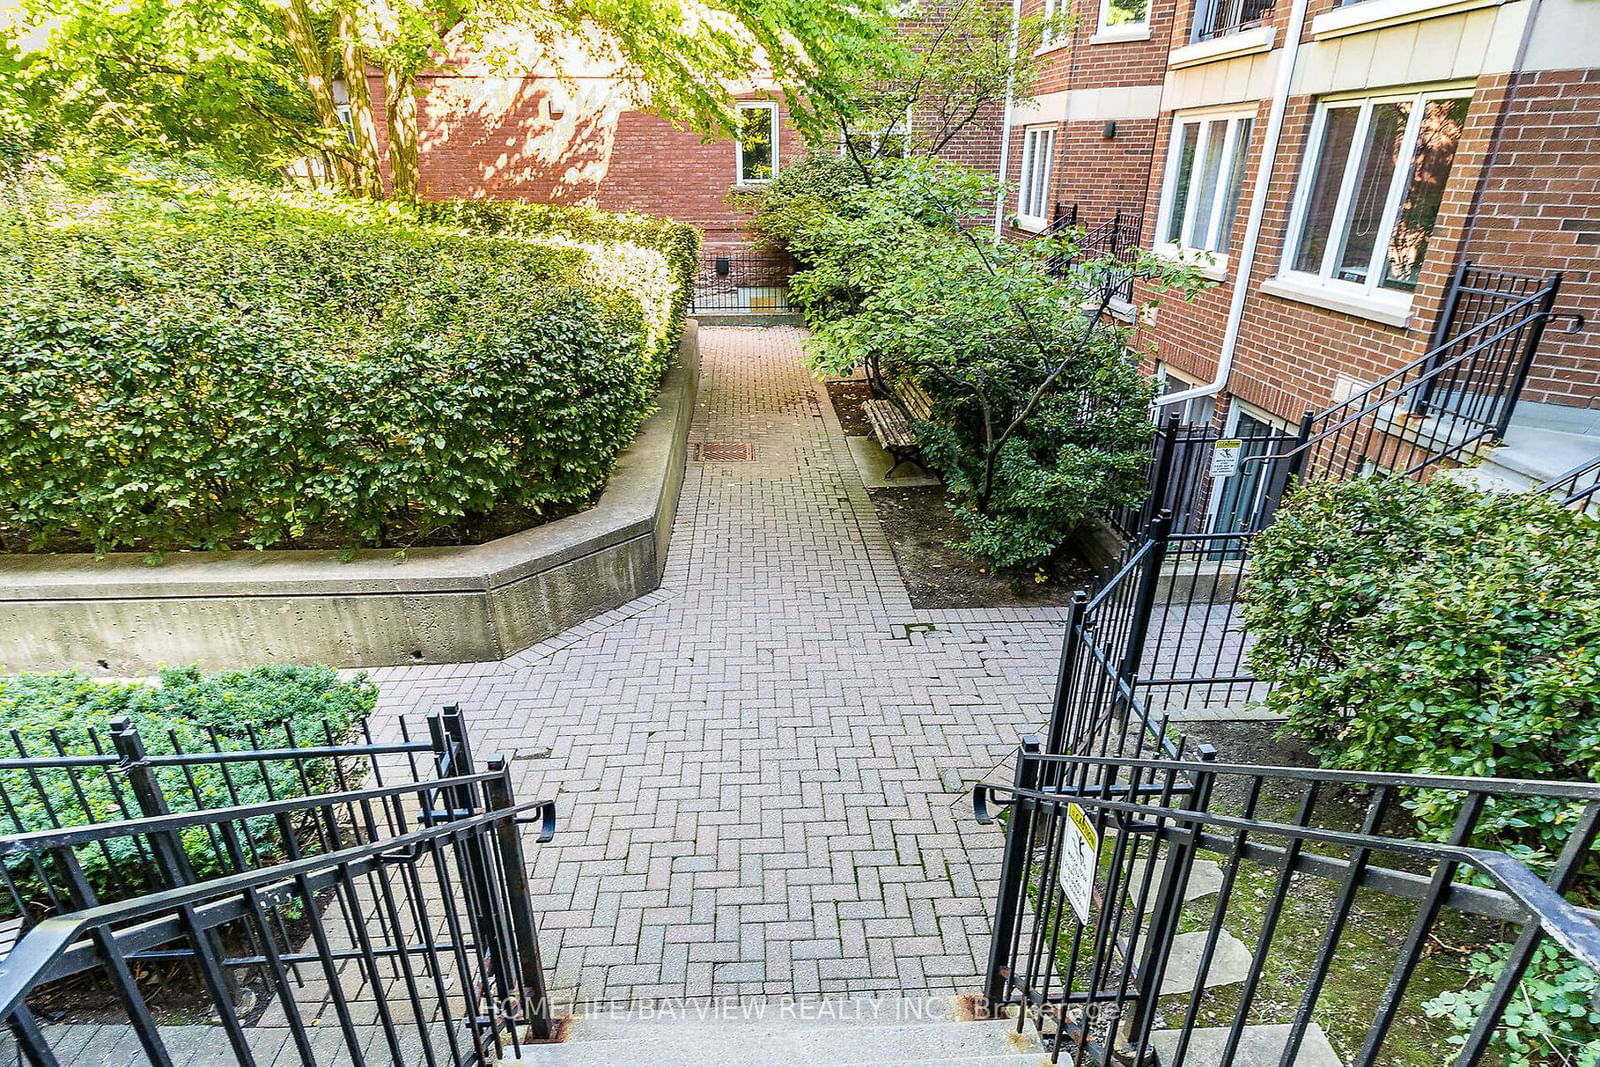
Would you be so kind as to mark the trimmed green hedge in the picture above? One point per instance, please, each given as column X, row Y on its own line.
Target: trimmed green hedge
column 214, row 371
column 55, row 712
column 1437, row 629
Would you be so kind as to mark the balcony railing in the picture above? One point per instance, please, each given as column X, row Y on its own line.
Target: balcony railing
column 1218, row 18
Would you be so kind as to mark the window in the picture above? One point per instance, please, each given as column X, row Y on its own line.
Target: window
column 1204, row 178
column 886, row 143
column 757, row 146
column 1056, row 28
column 1124, row 17
column 1197, row 411
column 1370, row 191
column 1038, row 150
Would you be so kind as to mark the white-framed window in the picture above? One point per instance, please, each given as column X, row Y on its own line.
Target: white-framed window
column 1052, row 35
column 1201, row 188
column 756, row 149
column 893, row 141
column 1127, row 19
column 1196, row 411
column 1370, row 189
column 1033, row 194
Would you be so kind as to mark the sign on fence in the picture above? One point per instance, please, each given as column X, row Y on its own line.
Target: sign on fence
column 1225, row 458
column 1079, row 849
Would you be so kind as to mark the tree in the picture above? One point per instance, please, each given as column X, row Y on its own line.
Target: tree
column 960, row 62
column 252, row 79
column 1040, row 416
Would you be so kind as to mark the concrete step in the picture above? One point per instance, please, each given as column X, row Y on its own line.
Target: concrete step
column 993, row 1043
column 1259, row 1046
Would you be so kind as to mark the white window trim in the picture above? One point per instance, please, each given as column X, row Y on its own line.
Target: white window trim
column 1106, row 33
column 1213, row 265
column 1029, row 153
column 1049, row 42
column 738, row 144
column 875, row 137
column 1364, row 299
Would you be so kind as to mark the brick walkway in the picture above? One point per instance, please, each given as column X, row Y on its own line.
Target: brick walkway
column 761, row 767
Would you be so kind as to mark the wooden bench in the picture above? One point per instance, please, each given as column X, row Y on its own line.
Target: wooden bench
column 890, row 414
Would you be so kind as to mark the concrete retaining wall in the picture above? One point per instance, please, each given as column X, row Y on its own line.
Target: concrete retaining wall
column 118, row 615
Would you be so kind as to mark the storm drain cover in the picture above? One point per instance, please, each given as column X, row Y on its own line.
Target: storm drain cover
column 715, row 451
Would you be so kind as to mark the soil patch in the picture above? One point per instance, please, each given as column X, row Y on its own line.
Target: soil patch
column 847, row 397
column 918, row 526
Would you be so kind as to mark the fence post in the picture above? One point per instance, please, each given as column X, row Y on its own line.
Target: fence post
column 152, row 803
column 1529, row 354
column 1286, row 474
column 1013, row 870
column 1145, row 597
column 530, row 967
column 1169, row 905
column 1067, row 672
column 1161, row 472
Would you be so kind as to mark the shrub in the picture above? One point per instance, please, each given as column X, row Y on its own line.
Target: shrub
column 200, row 372
column 801, row 194
column 1040, row 416
column 1554, row 1019
column 56, row 712
column 1436, row 629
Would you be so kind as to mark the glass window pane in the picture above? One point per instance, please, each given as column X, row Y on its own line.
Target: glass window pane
column 1184, row 169
column 1230, row 205
column 1126, row 12
column 1030, row 152
column 1323, row 198
column 1442, row 121
column 755, row 142
column 1363, row 224
column 1205, row 192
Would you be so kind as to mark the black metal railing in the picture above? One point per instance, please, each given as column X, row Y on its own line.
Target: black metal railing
column 1438, row 408
column 1578, row 487
column 1434, row 412
column 1163, row 637
column 1298, row 861
column 314, row 893
column 1109, row 249
column 56, row 783
column 1217, row 18
column 744, row 282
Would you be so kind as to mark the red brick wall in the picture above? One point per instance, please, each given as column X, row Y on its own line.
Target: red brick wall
column 495, row 137
column 1290, row 353
column 1539, row 211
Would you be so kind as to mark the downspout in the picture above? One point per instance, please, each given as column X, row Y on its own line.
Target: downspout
column 1005, row 125
column 1283, row 82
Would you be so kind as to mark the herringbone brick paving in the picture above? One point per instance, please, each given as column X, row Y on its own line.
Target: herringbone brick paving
column 760, row 769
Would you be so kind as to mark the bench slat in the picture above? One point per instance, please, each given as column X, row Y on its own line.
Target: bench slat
column 889, row 425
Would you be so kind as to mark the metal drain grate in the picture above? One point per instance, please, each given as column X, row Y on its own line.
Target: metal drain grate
column 715, row 451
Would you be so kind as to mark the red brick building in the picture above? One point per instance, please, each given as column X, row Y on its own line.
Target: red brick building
column 1397, row 140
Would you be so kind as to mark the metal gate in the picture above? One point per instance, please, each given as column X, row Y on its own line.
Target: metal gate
column 1157, row 904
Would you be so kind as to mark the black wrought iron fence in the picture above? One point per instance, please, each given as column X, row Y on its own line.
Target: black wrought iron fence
column 746, row 282
column 1207, row 912
column 414, row 891
column 1578, row 487
column 1434, row 412
column 59, row 785
column 1107, row 249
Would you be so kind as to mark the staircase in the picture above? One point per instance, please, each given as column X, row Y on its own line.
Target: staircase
column 888, row 1032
